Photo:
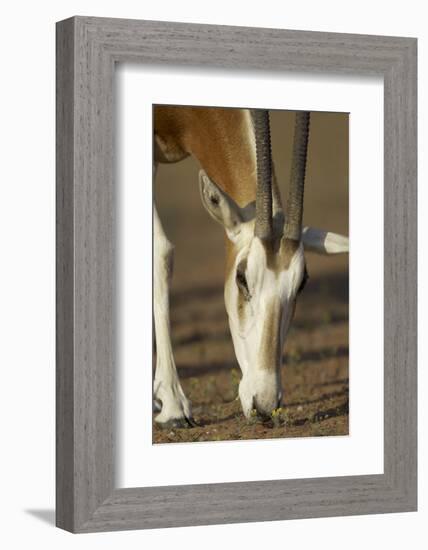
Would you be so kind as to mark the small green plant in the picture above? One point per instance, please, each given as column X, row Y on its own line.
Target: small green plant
column 253, row 417
column 235, row 378
column 279, row 417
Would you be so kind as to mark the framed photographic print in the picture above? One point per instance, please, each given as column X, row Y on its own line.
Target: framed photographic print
column 236, row 274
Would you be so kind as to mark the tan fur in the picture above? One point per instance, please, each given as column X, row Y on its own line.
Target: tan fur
column 220, row 139
column 270, row 343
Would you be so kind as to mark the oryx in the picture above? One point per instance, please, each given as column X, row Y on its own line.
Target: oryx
column 265, row 261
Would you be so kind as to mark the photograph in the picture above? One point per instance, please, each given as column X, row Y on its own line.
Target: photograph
column 250, row 274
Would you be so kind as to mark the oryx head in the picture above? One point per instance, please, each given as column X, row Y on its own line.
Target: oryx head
column 267, row 267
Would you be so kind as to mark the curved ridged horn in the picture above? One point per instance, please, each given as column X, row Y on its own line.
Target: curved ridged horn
column 264, row 225
column 293, row 227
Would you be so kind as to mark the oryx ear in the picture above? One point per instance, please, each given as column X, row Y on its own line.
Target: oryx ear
column 220, row 206
column 324, row 242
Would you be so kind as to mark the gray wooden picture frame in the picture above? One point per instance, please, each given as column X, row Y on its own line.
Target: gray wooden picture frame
column 87, row 50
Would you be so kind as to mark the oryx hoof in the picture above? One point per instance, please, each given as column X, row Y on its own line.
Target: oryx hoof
column 176, row 409
column 177, row 423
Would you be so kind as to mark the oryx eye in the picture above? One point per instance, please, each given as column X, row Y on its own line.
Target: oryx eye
column 304, row 281
column 241, row 281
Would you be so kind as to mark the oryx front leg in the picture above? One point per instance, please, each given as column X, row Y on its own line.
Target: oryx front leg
column 176, row 408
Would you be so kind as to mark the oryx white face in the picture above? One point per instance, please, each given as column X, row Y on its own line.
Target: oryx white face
column 261, row 288
column 260, row 296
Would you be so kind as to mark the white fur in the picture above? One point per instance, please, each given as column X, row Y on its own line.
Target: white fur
column 269, row 289
column 167, row 387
